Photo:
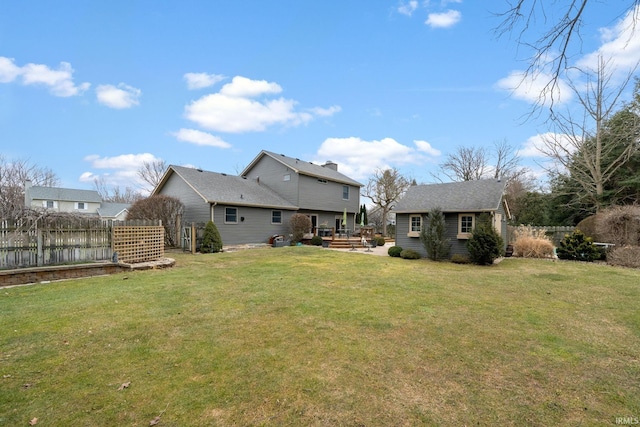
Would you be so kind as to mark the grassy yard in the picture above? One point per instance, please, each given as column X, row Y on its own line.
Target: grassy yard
column 302, row 336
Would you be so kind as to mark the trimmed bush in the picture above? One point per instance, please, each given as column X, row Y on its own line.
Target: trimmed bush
column 460, row 259
column 380, row 240
column 394, row 251
column 531, row 243
column 316, row 241
column 409, row 254
column 624, row 256
column 578, row 247
column 485, row 244
column 619, row 225
column 211, row 240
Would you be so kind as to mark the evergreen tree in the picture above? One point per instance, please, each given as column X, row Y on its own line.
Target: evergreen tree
column 211, row 240
column 433, row 237
column 485, row 244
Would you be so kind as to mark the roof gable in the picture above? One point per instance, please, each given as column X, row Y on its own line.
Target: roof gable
column 221, row 188
column 304, row 168
column 467, row 196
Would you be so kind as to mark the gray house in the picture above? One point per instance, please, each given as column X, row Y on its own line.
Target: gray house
column 461, row 202
column 258, row 204
column 69, row 200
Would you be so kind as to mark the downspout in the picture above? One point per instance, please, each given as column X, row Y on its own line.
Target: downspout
column 212, row 210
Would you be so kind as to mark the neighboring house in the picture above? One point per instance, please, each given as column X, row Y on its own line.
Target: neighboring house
column 461, row 202
column 68, row 200
column 258, row 204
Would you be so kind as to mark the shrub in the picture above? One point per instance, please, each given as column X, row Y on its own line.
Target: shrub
column 620, row 225
column 165, row 208
column 211, row 240
column 532, row 243
column 409, row 254
column 316, row 241
column 589, row 226
column 394, row 251
column 485, row 244
column 624, row 256
column 298, row 225
column 460, row 259
column 433, row 237
column 578, row 247
column 380, row 240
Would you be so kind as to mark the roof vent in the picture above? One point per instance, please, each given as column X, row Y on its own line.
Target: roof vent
column 199, row 170
column 223, row 174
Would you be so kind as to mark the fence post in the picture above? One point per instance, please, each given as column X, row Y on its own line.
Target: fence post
column 40, row 249
column 193, row 238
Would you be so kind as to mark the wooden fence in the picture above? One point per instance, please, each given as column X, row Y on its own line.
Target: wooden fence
column 45, row 242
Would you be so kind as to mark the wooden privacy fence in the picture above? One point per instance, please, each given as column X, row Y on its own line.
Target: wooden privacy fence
column 45, row 242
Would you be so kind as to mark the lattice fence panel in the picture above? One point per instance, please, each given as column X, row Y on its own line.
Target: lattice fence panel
column 136, row 244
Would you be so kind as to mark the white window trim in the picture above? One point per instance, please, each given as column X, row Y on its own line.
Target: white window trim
column 54, row 202
column 286, row 177
column 413, row 233
column 281, row 217
column 462, row 235
column 84, row 204
column 225, row 216
column 348, row 192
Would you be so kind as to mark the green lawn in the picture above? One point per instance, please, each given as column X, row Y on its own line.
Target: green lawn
column 302, row 336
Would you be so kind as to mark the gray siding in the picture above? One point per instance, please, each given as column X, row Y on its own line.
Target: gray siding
column 458, row 246
column 256, row 227
column 271, row 173
column 318, row 195
column 195, row 207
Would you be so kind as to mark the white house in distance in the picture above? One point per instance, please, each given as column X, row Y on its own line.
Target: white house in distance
column 68, row 200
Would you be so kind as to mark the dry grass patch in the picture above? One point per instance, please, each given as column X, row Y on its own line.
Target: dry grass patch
column 532, row 243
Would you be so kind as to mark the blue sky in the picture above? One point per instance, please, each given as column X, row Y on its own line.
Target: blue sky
column 93, row 88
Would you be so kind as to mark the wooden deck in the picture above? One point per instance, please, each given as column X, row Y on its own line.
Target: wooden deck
column 345, row 243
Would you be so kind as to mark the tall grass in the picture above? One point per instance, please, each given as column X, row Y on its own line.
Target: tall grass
column 311, row 337
column 532, row 243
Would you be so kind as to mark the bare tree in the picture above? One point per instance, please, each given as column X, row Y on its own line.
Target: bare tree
column 152, row 172
column 165, row 208
column 551, row 49
column 384, row 189
column 13, row 175
column 466, row 164
column 585, row 147
column 115, row 194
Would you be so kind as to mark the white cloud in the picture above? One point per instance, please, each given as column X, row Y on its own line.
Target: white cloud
column 535, row 145
column 326, row 112
column 620, row 43
column 535, row 88
column 60, row 81
column 444, row 19
column 198, row 137
column 235, row 110
column 359, row 158
column 121, row 171
column 242, row 87
column 119, row 97
column 425, row 147
column 202, row 80
column 8, row 70
column 408, row 8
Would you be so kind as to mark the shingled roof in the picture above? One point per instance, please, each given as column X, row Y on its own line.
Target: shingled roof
column 467, row 196
column 305, row 168
column 221, row 188
column 63, row 194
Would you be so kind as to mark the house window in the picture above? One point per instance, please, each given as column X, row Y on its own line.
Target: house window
column 49, row 204
column 276, row 217
column 81, row 206
column 465, row 225
column 345, row 192
column 231, row 215
column 415, row 225
column 287, row 177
